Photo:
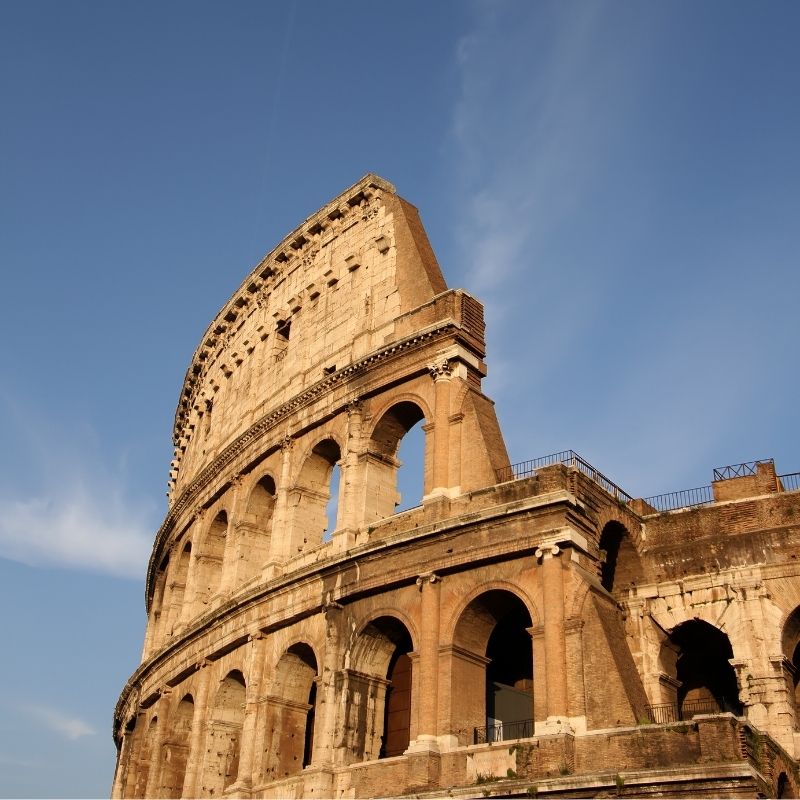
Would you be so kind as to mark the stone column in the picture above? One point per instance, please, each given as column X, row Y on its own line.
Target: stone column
column 281, row 544
column 427, row 703
column 350, row 477
column 554, row 640
column 230, row 555
column 194, row 762
column 328, row 699
column 255, row 670
column 441, row 372
column 154, row 776
column 118, row 787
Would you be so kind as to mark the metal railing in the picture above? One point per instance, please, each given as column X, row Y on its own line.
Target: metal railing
column 568, row 458
column 686, row 498
column 663, row 713
column 739, row 470
column 790, row 481
column 503, row 731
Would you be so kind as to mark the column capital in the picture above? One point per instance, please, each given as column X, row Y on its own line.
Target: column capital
column 441, row 368
column 546, row 551
column 355, row 406
column 427, row 577
column 286, row 443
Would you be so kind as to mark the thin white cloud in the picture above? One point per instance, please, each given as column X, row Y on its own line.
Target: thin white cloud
column 12, row 762
column 79, row 515
column 70, row 727
column 81, row 529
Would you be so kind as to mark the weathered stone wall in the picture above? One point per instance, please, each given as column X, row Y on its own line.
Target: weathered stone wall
column 273, row 635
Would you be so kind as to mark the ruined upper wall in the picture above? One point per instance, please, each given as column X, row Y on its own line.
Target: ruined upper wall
column 331, row 292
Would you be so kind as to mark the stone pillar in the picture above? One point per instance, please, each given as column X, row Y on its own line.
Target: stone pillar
column 554, row 640
column 194, row 762
column 255, row 670
column 427, row 703
column 281, row 540
column 441, row 373
column 454, row 436
column 118, row 787
column 328, row 699
column 229, row 557
column 154, row 776
column 350, row 476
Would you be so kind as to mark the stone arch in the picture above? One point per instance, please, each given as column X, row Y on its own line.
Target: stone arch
column 159, row 599
column 378, row 688
column 308, row 498
column 621, row 516
column 145, row 758
column 381, row 465
column 790, row 644
column 210, row 558
column 449, row 630
column 177, row 584
column 695, row 657
column 224, row 734
column 175, row 748
column 492, row 649
column 620, row 565
column 254, row 529
column 292, row 704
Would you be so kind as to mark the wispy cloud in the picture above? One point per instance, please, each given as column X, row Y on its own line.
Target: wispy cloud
column 12, row 762
column 83, row 529
column 78, row 514
column 70, row 727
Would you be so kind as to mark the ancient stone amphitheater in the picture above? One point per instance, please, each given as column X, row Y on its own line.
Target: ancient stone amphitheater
column 525, row 630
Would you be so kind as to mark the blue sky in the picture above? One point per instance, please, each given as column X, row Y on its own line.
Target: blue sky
column 619, row 183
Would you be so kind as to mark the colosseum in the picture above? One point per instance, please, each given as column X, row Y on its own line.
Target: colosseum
column 525, row 630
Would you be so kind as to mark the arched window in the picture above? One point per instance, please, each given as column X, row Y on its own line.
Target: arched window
column 157, row 609
column 620, row 565
column 790, row 641
column 493, row 649
column 705, row 680
column 382, row 496
column 175, row 749
column 144, row 759
column 177, row 588
column 379, row 691
column 209, row 561
column 289, row 739
column 254, row 531
column 310, row 495
column 223, row 740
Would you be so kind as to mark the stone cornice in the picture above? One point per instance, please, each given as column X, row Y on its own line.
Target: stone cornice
column 500, row 549
column 270, row 421
column 244, row 300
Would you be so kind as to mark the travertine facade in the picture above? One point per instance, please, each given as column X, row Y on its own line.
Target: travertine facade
column 528, row 630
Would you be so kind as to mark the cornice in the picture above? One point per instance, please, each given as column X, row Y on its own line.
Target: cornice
column 244, row 300
column 271, row 420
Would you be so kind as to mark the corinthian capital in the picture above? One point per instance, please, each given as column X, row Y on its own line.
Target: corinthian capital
column 440, row 368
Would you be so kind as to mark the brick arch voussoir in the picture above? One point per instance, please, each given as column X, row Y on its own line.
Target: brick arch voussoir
column 627, row 519
column 307, row 444
column 449, row 629
column 384, row 611
column 378, row 411
column 579, row 589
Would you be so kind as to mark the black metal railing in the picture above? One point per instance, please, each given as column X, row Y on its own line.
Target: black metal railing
column 568, row 458
column 739, row 470
column 663, row 713
column 686, row 498
column 790, row 481
column 503, row 731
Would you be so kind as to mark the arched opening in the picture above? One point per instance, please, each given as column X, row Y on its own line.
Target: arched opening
column 697, row 656
column 128, row 758
column 382, row 495
column 175, row 749
column 254, row 531
column 289, row 741
column 782, row 786
column 310, row 495
column 144, row 759
column 620, row 566
column 790, row 641
column 493, row 649
column 158, row 611
column 223, row 740
column 379, row 691
column 209, row 561
column 332, row 507
column 177, row 587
